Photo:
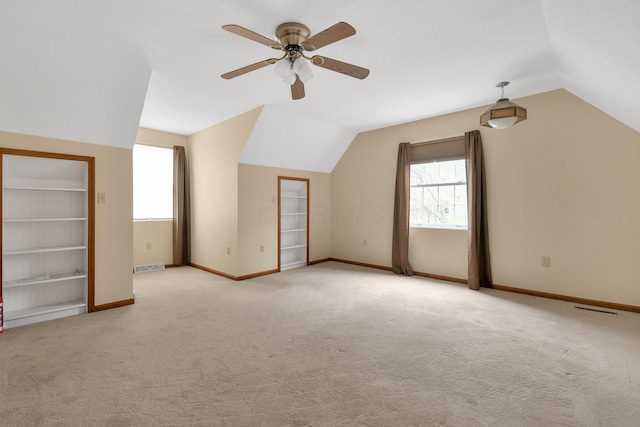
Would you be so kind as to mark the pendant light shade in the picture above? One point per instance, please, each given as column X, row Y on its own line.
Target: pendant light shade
column 503, row 113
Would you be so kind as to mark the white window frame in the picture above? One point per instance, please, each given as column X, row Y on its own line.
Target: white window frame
column 454, row 184
column 152, row 184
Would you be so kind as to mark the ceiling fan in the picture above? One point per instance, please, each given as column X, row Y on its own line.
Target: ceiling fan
column 294, row 39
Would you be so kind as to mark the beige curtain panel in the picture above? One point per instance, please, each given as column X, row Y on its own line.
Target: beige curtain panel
column 400, row 242
column 181, row 209
column 479, row 260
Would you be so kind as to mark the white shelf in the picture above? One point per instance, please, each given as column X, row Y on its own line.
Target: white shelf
column 302, row 245
column 43, row 219
column 82, row 190
column 43, row 250
column 293, row 230
column 44, row 309
column 42, row 279
column 294, row 213
column 293, row 197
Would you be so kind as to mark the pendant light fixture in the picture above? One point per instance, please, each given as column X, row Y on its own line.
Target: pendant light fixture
column 503, row 113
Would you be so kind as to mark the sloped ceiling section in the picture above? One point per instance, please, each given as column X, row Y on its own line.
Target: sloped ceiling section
column 288, row 140
column 60, row 90
column 591, row 41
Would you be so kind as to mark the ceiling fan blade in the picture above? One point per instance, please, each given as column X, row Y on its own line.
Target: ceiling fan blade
column 297, row 89
column 252, row 67
column 241, row 31
column 336, row 32
column 340, row 67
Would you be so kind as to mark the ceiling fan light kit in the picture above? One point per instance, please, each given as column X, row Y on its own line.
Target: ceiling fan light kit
column 302, row 69
column 293, row 39
column 503, row 113
column 284, row 70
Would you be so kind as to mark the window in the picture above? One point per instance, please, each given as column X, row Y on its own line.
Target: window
column 438, row 194
column 152, row 182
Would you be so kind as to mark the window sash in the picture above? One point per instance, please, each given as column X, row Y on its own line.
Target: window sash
column 439, row 184
column 439, row 204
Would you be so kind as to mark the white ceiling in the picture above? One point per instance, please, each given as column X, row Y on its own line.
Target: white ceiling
column 318, row 148
column 95, row 70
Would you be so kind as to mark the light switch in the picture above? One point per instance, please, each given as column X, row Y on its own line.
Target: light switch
column 102, row 198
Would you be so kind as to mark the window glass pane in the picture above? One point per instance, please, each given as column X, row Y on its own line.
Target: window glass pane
column 152, row 182
column 415, row 210
column 417, row 175
column 460, row 194
column 461, row 171
column 438, row 194
column 417, row 194
column 430, row 214
column 430, row 195
column 447, row 172
column 431, row 173
column 447, row 196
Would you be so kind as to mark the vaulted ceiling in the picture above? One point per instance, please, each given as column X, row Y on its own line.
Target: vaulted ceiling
column 96, row 70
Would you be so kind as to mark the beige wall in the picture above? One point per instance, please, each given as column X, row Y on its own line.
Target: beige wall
column 160, row 139
column 213, row 158
column 152, row 242
column 156, row 234
column 114, row 231
column 560, row 184
column 258, row 216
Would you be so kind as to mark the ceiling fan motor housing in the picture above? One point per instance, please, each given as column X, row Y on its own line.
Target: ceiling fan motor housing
column 291, row 35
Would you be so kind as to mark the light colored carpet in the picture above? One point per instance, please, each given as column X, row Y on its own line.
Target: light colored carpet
column 327, row 345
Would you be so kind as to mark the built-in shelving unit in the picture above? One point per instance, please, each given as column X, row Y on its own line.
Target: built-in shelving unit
column 293, row 222
column 47, row 236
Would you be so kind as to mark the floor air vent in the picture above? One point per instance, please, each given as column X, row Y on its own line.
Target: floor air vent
column 147, row 268
column 594, row 309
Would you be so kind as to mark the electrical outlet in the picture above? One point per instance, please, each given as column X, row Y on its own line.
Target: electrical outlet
column 364, row 242
column 546, row 261
column 148, row 245
column 228, row 250
column 261, row 248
